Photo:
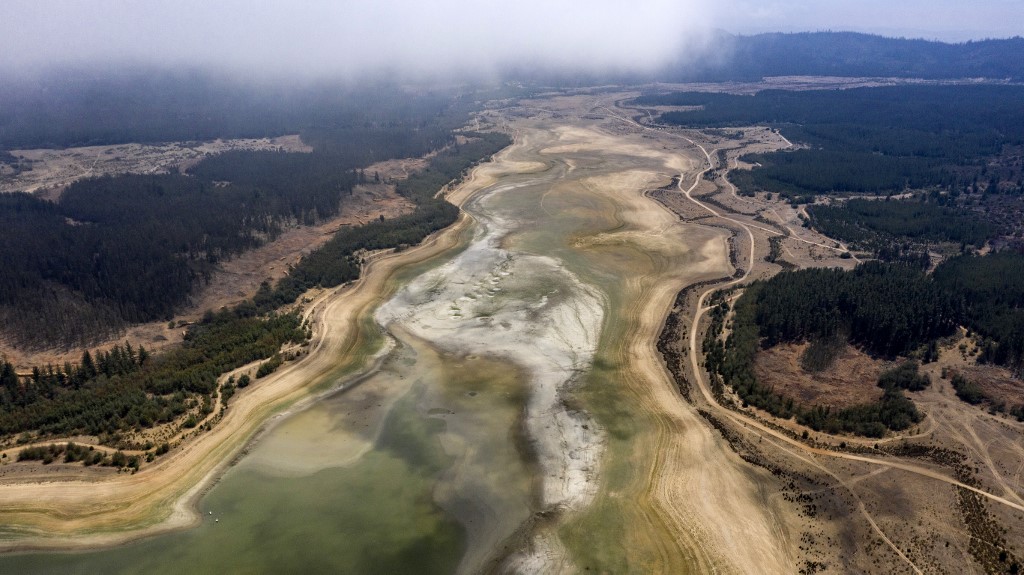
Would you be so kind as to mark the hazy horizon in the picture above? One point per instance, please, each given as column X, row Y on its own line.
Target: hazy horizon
column 449, row 36
column 943, row 20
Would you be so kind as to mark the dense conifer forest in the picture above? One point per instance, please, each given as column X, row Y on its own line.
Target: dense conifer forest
column 126, row 249
column 877, row 225
column 125, row 389
column 888, row 309
column 951, row 152
column 989, row 292
column 132, row 248
column 954, row 149
column 867, row 140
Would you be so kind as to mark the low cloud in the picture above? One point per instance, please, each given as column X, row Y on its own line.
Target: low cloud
column 352, row 37
column 324, row 37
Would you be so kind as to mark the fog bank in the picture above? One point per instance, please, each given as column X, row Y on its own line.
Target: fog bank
column 327, row 38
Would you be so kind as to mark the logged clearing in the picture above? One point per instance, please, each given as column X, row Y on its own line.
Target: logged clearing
column 850, row 380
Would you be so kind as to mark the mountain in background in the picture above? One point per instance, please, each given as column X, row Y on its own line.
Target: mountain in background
column 852, row 54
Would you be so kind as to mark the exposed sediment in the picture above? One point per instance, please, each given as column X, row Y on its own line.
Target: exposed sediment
column 527, row 309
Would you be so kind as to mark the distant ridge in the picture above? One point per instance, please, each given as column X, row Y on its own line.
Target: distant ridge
column 853, row 54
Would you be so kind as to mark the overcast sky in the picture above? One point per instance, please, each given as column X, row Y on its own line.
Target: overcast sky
column 321, row 36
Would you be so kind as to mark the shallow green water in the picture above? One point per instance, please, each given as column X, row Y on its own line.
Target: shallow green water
column 387, row 510
column 372, row 516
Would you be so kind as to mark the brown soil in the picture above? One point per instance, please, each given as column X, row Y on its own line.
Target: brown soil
column 33, row 472
column 240, row 277
column 851, row 380
column 960, row 355
column 997, row 383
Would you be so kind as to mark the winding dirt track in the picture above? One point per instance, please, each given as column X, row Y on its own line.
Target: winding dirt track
column 696, row 506
column 706, row 392
column 781, row 441
column 701, row 309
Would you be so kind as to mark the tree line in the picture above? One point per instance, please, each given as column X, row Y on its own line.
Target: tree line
column 336, row 261
column 122, row 389
column 888, row 310
column 106, row 393
column 989, row 292
column 852, row 54
column 893, row 309
column 133, row 248
column 864, row 140
column 72, row 452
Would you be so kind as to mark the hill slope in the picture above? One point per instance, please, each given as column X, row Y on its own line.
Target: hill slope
column 854, row 54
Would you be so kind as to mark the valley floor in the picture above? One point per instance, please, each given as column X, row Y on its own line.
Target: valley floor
column 581, row 269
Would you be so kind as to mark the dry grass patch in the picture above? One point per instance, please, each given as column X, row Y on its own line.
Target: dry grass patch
column 997, row 383
column 851, row 380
